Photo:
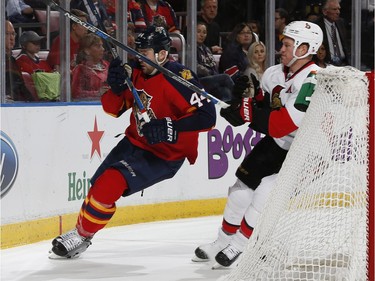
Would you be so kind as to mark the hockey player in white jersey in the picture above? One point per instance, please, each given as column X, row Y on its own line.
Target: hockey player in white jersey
column 271, row 111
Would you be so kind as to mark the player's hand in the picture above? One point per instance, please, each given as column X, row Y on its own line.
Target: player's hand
column 160, row 130
column 232, row 113
column 117, row 75
column 238, row 113
column 258, row 92
column 241, row 87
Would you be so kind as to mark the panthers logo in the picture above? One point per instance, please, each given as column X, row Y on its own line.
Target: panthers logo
column 186, row 74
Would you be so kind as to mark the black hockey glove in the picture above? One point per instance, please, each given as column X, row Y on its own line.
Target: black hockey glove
column 258, row 92
column 160, row 130
column 117, row 75
column 232, row 113
column 241, row 87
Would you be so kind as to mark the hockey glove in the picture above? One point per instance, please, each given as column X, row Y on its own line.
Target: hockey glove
column 258, row 92
column 117, row 75
column 238, row 113
column 241, row 87
column 160, row 130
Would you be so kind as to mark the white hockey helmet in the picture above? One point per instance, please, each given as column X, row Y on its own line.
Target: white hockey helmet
column 304, row 32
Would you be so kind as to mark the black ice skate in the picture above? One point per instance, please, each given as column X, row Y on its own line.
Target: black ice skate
column 69, row 245
column 207, row 252
column 228, row 256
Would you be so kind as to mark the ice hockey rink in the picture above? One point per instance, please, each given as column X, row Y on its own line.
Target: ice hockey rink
column 157, row 251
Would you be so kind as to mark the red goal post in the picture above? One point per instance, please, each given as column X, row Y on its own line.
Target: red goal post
column 371, row 213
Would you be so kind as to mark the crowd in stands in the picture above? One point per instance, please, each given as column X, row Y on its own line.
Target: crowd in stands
column 220, row 59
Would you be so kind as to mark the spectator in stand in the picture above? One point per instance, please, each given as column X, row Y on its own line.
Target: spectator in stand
column 256, row 28
column 135, row 14
column 155, row 10
column 208, row 15
column 76, row 33
column 320, row 57
column 219, row 85
column 312, row 17
column 15, row 88
column 131, row 43
column 90, row 74
column 18, row 11
column 334, row 33
column 28, row 60
column 101, row 9
column 233, row 60
column 257, row 60
column 281, row 20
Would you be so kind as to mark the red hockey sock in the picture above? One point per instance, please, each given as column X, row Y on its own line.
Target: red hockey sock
column 229, row 228
column 246, row 229
column 99, row 205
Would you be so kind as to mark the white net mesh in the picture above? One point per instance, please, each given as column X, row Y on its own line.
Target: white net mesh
column 314, row 224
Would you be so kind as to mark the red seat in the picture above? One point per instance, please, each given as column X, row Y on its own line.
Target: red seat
column 54, row 22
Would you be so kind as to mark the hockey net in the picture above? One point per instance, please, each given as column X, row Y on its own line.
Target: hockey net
column 315, row 223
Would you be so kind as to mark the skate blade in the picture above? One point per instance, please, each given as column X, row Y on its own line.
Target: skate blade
column 218, row 266
column 196, row 259
column 53, row 256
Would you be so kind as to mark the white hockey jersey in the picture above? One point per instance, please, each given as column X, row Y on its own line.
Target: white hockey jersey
column 287, row 118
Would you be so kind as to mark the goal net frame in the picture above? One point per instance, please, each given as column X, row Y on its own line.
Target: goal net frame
column 330, row 210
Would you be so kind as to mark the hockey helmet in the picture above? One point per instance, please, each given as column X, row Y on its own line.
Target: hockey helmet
column 154, row 37
column 304, row 32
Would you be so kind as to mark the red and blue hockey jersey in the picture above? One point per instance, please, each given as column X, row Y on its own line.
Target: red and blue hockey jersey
column 164, row 97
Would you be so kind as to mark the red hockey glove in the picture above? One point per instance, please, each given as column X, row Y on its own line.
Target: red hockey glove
column 160, row 130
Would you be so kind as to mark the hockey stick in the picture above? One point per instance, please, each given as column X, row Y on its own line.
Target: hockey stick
column 114, row 52
column 117, row 43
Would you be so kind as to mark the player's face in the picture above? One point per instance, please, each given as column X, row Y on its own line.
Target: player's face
column 149, row 53
column 287, row 50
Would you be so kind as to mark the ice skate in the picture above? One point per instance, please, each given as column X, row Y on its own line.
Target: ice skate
column 227, row 256
column 69, row 245
column 232, row 251
column 207, row 252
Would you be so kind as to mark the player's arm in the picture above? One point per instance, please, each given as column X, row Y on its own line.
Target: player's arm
column 275, row 122
column 199, row 116
column 113, row 101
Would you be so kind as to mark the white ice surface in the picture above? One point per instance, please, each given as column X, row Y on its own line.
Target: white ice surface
column 158, row 251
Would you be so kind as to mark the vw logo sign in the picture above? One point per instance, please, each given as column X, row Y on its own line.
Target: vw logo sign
column 8, row 164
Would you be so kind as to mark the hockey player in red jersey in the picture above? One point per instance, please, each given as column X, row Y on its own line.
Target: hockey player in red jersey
column 274, row 112
column 150, row 151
